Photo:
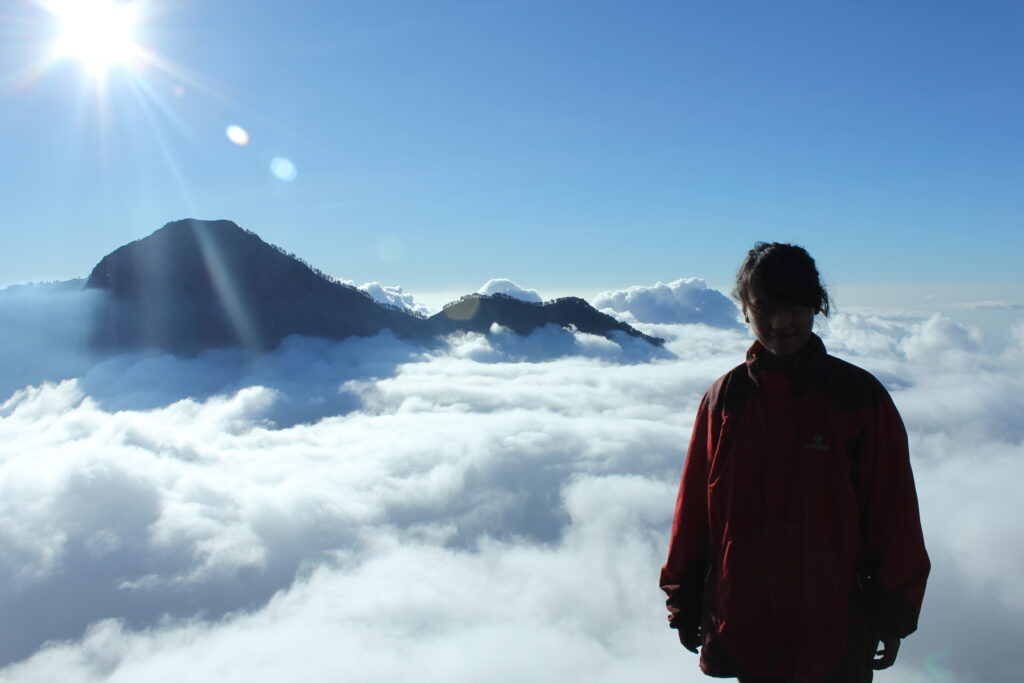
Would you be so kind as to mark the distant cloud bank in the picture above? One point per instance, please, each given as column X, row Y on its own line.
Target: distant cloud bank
column 687, row 300
column 992, row 305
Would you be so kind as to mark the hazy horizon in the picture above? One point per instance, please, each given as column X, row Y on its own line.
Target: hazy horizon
column 991, row 311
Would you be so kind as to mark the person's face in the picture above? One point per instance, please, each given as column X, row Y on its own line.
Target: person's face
column 783, row 329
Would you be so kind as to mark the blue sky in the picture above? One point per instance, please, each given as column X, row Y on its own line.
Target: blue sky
column 571, row 146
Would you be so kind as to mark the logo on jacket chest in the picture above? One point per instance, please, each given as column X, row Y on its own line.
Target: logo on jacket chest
column 817, row 443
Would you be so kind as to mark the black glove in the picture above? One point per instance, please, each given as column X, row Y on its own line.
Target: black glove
column 885, row 647
column 690, row 636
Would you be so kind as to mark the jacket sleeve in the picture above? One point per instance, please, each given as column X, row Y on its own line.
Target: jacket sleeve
column 896, row 559
column 682, row 577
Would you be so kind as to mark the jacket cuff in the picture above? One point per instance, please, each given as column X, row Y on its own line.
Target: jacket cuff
column 890, row 613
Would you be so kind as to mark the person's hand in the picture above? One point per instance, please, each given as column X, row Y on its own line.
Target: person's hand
column 883, row 653
column 689, row 636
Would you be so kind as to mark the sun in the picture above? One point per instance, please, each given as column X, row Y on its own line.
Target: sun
column 98, row 33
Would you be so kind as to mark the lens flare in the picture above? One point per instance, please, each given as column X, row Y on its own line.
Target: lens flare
column 237, row 135
column 283, row 169
column 463, row 309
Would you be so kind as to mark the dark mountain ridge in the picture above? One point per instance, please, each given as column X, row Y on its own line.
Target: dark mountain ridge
column 193, row 285
column 477, row 312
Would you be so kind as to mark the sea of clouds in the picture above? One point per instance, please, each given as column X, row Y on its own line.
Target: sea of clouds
column 496, row 508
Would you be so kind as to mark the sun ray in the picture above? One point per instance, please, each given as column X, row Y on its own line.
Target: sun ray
column 26, row 76
column 146, row 101
column 231, row 300
column 188, row 78
column 146, row 95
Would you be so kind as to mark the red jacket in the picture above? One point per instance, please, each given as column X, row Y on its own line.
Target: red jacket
column 796, row 530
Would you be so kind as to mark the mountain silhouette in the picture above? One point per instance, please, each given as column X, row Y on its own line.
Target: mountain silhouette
column 477, row 312
column 194, row 285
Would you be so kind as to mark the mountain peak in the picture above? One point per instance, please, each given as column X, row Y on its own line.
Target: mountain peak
column 170, row 255
column 199, row 284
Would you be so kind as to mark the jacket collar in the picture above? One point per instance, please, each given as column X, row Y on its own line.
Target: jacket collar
column 808, row 362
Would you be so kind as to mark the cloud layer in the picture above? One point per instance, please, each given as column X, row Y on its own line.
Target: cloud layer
column 687, row 300
column 496, row 508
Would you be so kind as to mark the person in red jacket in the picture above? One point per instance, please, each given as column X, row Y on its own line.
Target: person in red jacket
column 796, row 551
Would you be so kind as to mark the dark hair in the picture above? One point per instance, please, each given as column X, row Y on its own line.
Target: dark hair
column 787, row 274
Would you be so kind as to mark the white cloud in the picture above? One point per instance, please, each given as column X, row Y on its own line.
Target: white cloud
column 390, row 295
column 935, row 339
column 496, row 508
column 687, row 300
column 509, row 288
column 394, row 296
column 419, row 611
